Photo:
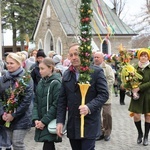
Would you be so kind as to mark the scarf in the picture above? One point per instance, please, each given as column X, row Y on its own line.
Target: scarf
column 143, row 65
column 12, row 75
column 72, row 69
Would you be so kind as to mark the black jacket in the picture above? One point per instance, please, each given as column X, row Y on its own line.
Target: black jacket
column 22, row 116
column 35, row 74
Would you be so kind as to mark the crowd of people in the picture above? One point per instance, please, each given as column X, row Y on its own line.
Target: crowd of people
column 44, row 87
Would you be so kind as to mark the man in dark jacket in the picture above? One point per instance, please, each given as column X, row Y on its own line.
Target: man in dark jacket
column 70, row 97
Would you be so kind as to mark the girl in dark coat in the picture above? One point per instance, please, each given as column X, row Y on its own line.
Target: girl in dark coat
column 142, row 105
column 50, row 83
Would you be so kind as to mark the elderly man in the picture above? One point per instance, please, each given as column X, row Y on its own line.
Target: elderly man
column 70, row 97
column 106, row 109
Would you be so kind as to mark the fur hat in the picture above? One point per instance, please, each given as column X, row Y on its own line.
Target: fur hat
column 40, row 53
column 145, row 50
column 57, row 59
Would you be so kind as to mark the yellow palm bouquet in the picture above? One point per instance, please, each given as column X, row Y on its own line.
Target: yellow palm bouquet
column 130, row 79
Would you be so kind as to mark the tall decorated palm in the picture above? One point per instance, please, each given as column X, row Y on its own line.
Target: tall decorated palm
column 85, row 51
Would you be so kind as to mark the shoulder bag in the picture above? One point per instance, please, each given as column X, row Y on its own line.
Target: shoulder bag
column 52, row 125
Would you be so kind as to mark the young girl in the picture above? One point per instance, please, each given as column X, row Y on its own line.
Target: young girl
column 142, row 105
column 49, row 83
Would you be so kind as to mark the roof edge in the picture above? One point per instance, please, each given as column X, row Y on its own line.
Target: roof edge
column 38, row 20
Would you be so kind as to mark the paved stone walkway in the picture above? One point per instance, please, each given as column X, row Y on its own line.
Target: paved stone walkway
column 123, row 137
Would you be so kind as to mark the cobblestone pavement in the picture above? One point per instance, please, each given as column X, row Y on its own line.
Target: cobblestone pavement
column 123, row 137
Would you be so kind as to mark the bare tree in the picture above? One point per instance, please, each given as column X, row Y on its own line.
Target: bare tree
column 118, row 6
column 142, row 27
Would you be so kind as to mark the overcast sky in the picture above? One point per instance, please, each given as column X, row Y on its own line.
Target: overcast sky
column 132, row 8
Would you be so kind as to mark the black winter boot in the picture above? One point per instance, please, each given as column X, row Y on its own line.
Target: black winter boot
column 122, row 96
column 147, row 127
column 140, row 132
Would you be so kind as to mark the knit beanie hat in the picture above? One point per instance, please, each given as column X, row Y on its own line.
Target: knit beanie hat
column 15, row 57
column 25, row 53
column 143, row 50
column 40, row 53
column 57, row 59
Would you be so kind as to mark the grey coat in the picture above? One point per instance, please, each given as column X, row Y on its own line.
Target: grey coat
column 22, row 116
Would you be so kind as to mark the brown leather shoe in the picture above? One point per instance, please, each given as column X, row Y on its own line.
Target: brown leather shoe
column 106, row 137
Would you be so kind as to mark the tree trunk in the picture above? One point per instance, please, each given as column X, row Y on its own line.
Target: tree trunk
column 22, row 45
column 14, row 35
column 22, row 38
column 14, row 41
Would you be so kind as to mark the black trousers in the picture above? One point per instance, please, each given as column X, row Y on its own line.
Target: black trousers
column 48, row 146
column 82, row 144
column 122, row 95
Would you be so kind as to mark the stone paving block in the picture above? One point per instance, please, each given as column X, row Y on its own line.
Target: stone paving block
column 123, row 137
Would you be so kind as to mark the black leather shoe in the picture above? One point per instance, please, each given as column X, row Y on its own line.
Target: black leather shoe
column 107, row 138
column 139, row 139
column 145, row 141
column 100, row 138
column 122, row 103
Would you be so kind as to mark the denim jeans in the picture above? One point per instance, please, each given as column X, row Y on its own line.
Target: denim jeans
column 17, row 137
